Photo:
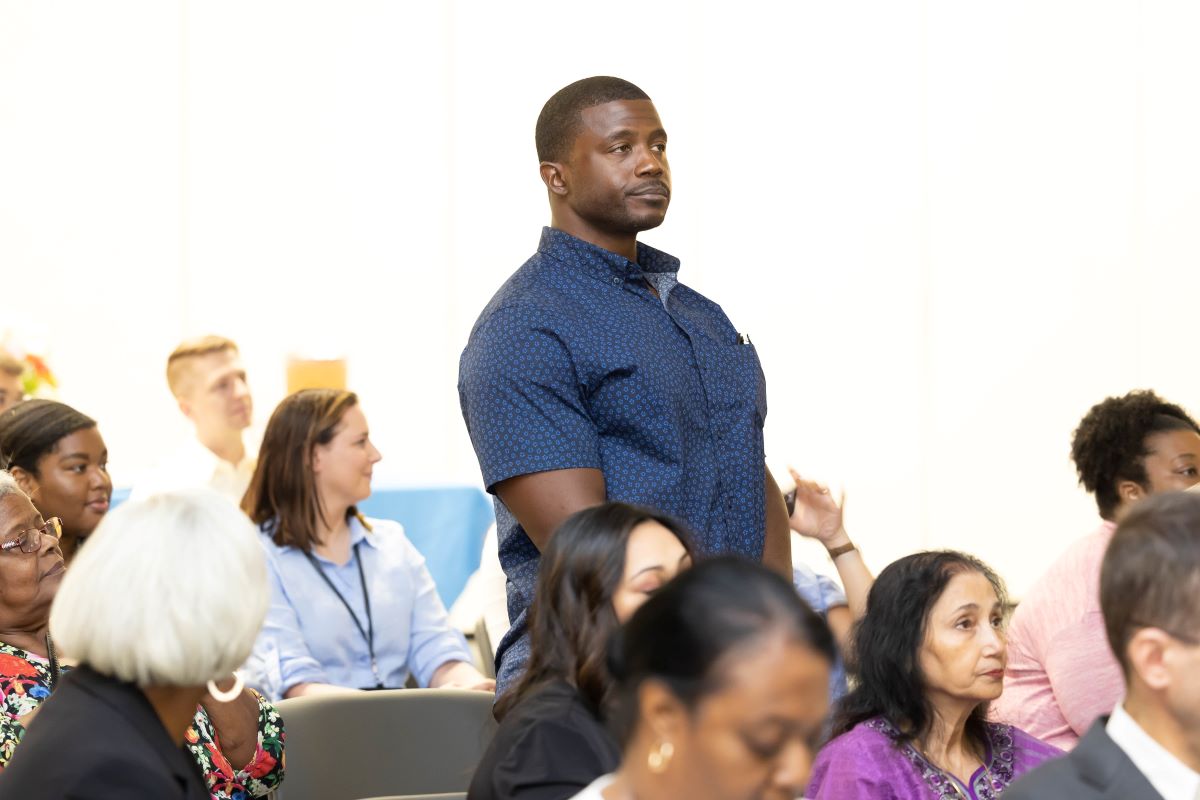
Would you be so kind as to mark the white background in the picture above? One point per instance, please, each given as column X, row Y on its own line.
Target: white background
column 949, row 227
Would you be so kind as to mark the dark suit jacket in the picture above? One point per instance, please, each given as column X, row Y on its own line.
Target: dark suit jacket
column 1095, row 770
column 97, row 738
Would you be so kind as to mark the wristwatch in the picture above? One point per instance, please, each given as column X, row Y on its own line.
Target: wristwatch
column 834, row 552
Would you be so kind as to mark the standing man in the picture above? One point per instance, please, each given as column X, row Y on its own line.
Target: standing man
column 594, row 374
column 209, row 383
column 1149, row 749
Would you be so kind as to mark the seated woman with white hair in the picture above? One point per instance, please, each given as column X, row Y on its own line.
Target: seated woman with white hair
column 150, row 633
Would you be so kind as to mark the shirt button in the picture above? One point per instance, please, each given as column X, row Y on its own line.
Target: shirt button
column 616, row 281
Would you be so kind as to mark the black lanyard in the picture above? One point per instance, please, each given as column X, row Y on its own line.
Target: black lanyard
column 368, row 633
column 53, row 658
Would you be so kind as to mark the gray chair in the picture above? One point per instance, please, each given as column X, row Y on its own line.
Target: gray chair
column 376, row 744
column 487, row 654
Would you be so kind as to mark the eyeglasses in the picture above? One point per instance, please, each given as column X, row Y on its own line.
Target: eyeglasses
column 30, row 539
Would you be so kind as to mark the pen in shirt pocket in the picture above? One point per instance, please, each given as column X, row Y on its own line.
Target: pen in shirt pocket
column 743, row 338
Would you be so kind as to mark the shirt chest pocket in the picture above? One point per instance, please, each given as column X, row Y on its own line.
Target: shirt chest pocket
column 735, row 382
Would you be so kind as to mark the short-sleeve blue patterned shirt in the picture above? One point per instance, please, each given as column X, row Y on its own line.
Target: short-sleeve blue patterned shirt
column 576, row 364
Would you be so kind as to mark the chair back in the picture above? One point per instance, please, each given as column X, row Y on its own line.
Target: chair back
column 392, row 742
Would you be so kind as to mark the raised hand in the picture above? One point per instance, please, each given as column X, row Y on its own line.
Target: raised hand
column 817, row 515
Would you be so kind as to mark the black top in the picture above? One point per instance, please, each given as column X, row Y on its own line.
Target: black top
column 1097, row 769
column 549, row 747
column 61, row 757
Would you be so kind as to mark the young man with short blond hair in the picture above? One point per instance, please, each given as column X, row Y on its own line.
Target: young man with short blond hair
column 208, row 380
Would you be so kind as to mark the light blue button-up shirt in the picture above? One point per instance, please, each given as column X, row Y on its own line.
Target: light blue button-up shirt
column 822, row 593
column 309, row 637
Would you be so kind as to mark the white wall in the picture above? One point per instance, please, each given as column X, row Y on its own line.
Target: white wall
column 949, row 227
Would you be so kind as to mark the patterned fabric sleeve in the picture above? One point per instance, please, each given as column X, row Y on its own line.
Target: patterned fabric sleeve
column 256, row 779
column 11, row 732
column 24, row 684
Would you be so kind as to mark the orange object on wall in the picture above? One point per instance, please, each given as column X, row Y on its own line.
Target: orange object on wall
column 316, row 373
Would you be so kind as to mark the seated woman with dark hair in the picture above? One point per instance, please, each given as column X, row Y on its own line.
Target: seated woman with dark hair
column 929, row 655
column 600, row 565
column 58, row 458
column 1061, row 675
column 722, row 689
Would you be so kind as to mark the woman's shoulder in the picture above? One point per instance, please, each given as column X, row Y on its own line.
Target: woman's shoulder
column 595, row 789
column 875, row 735
column 383, row 528
column 553, row 704
column 554, row 717
column 864, row 762
column 548, row 739
column 1021, row 745
column 388, row 536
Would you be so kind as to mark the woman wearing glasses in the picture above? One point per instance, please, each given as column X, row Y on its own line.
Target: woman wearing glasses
column 352, row 604
column 58, row 459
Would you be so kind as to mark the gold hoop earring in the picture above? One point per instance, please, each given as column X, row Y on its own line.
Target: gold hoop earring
column 658, row 759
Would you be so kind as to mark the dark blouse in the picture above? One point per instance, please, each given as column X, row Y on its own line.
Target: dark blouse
column 100, row 739
column 26, row 682
column 549, row 747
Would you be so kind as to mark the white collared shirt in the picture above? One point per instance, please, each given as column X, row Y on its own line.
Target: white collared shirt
column 193, row 466
column 1170, row 777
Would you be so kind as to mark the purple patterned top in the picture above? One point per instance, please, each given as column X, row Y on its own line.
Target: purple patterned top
column 867, row 763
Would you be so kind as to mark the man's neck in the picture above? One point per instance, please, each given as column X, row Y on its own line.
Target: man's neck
column 621, row 244
column 226, row 445
column 1152, row 716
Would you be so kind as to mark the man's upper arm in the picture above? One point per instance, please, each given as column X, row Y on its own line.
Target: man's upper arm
column 542, row 500
column 522, row 399
column 777, row 546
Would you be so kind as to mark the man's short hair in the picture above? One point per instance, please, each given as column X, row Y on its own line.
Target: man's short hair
column 559, row 122
column 138, row 603
column 10, row 365
column 177, row 362
column 1151, row 572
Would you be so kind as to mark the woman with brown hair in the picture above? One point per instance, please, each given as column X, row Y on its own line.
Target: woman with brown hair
column 598, row 568
column 352, row 603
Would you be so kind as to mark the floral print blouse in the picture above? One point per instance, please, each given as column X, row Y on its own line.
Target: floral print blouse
column 25, row 682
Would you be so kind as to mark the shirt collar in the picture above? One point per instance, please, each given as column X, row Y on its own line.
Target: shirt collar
column 564, row 247
column 1173, row 779
column 360, row 531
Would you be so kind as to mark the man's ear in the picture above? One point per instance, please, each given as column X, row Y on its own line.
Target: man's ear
column 554, row 176
column 25, row 480
column 185, row 407
column 1147, row 656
